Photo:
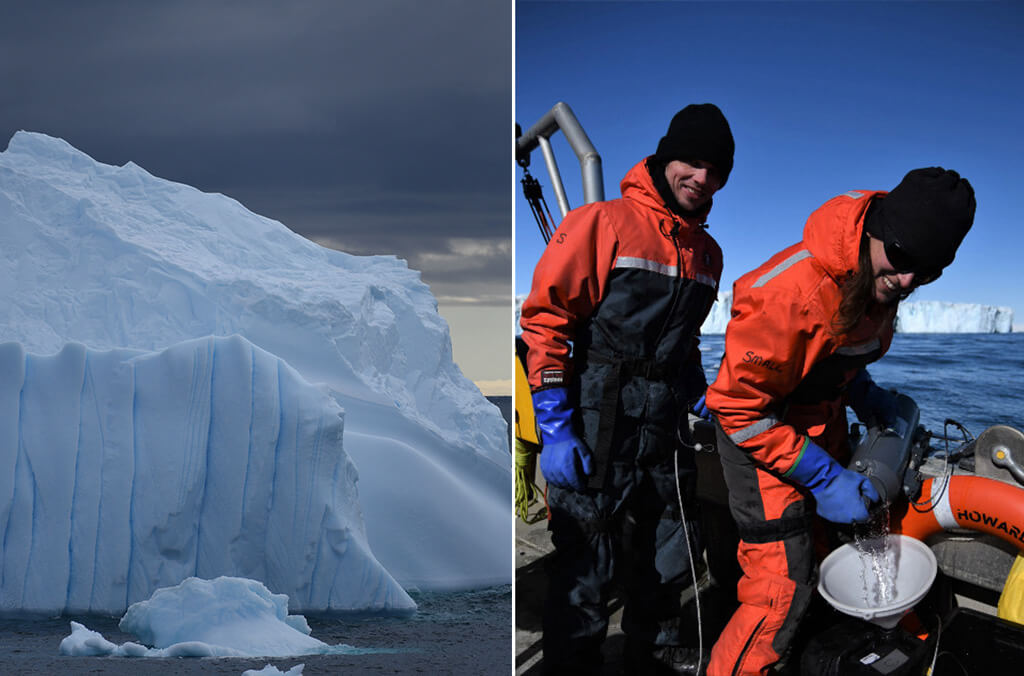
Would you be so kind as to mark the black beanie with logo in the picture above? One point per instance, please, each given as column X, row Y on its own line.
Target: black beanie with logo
column 927, row 215
column 699, row 132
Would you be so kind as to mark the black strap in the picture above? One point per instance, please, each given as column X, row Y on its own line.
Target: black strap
column 607, row 413
column 592, row 526
column 630, row 367
column 622, row 368
column 773, row 530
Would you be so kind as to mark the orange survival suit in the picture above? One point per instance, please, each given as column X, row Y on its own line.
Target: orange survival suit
column 782, row 380
column 625, row 285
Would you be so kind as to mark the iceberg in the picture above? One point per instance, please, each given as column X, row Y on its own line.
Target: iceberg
column 223, row 617
column 125, row 471
column 113, row 258
column 922, row 316
column 718, row 317
column 931, row 316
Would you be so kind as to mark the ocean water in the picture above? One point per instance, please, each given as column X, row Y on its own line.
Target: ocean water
column 451, row 633
column 975, row 379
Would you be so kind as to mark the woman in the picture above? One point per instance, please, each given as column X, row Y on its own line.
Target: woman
column 803, row 327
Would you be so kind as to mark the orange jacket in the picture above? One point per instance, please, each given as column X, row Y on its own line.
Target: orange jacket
column 784, row 372
column 624, row 249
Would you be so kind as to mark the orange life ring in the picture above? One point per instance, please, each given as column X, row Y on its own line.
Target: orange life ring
column 971, row 502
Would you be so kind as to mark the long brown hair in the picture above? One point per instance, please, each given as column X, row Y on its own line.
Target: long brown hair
column 858, row 292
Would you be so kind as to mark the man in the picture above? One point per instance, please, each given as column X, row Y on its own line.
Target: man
column 611, row 323
column 803, row 327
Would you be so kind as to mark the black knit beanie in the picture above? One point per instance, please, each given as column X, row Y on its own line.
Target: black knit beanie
column 927, row 215
column 699, row 132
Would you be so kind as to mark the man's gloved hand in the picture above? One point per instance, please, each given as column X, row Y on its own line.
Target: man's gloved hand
column 871, row 403
column 564, row 459
column 843, row 496
column 700, row 408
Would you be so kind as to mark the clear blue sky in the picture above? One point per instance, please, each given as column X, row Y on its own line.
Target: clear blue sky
column 822, row 98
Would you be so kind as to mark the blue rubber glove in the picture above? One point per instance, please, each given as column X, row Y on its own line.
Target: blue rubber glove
column 564, row 459
column 843, row 496
column 701, row 408
column 871, row 403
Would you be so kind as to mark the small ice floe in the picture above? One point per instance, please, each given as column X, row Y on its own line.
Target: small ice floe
column 271, row 670
column 84, row 642
column 223, row 617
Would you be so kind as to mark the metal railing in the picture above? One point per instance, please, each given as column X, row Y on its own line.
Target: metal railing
column 561, row 118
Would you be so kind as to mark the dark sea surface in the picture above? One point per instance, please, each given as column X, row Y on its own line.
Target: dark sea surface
column 975, row 379
column 451, row 633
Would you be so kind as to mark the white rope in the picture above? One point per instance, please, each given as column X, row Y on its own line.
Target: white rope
column 693, row 568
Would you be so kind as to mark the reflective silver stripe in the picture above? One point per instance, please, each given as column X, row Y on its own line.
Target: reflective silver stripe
column 782, row 267
column 855, row 194
column 862, row 348
column 708, row 280
column 943, row 512
column 644, row 264
column 634, row 263
column 751, row 431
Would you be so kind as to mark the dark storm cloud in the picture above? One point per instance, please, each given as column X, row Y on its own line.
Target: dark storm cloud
column 375, row 127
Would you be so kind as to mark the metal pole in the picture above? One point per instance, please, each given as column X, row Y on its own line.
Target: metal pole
column 561, row 117
column 556, row 177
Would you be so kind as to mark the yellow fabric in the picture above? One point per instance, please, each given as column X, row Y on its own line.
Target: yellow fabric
column 1011, row 601
column 526, row 424
column 527, row 449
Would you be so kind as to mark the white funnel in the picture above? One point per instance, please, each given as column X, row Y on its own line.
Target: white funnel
column 847, row 575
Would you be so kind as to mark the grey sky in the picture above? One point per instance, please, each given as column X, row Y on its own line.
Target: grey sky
column 372, row 126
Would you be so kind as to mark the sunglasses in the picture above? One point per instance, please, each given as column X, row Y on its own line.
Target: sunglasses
column 904, row 263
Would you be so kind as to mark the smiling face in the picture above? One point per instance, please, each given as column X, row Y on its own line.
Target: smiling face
column 889, row 284
column 693, row 184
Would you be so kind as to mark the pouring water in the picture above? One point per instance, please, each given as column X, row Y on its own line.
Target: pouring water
column 878, row 560
column 895, row 572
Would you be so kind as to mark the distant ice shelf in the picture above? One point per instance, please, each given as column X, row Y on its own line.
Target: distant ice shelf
column 922, row 316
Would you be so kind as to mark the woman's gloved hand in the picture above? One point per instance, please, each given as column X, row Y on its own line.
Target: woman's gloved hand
column 700, row 409
column 843, row 496
column 871, row 403
column 565, row 460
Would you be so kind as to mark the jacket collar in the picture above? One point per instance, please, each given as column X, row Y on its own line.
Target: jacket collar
column 638, row 186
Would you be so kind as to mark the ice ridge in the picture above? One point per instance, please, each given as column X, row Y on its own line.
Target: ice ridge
column 125, row 471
